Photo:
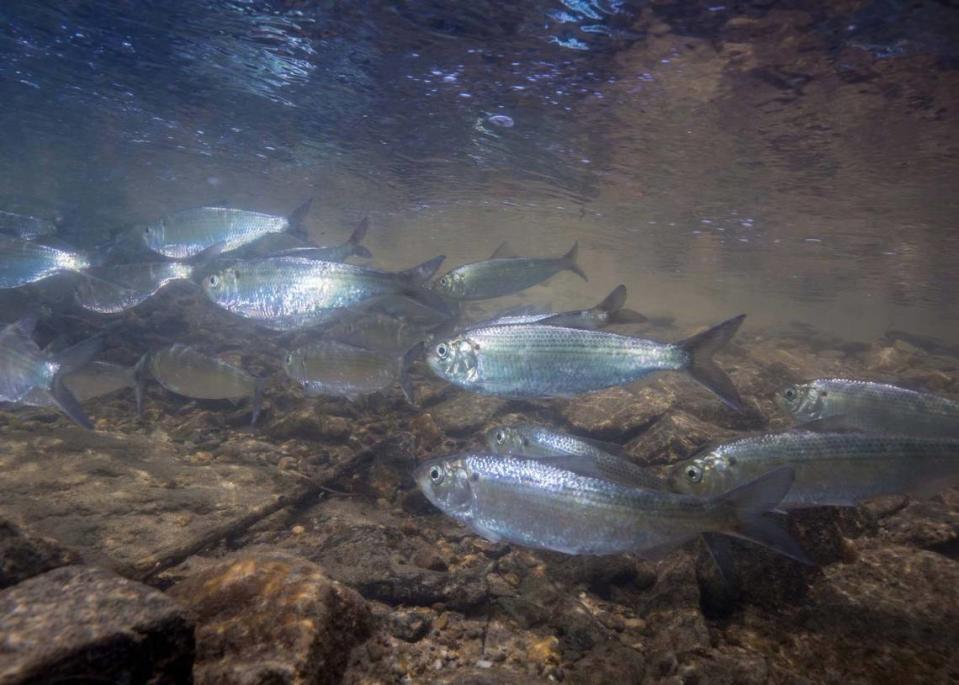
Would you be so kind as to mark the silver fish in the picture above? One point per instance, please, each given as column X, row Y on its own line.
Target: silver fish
column 353, row 247
column 24, row 261
column 93, row 380
column 537, row 360
column 533, row 503
column 378, row 332
column 189, row 232
column 608, row 312
column 186, row 371
column 582, row 455
column 286, row 293
column 503, row 275
column 832, row 469
column 26, row 227
column 333, row 368
column 838, row 404
column 28, row 375
column 117, row 288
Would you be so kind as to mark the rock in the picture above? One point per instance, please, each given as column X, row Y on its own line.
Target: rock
column 465, row 412
column 409, row 625
column 609, row 663
column 23, row 555
column 309, row 424
column 600, row 574
column 268, row 617
column 674, row 437
column 84, row 624
column 544, row 652
column 617, row 413
column 426, row 433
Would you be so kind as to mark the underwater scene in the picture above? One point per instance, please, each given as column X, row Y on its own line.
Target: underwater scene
column 581, row 341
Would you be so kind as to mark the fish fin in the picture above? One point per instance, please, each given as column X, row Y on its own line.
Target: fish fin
column 78, row 355
column 68, row 404
column 257, row 398
column 485, row 532
column 26, row 324
column 721, row 553
column 410, row 356
column 570, row 259
column 359, row 233
column 421, row 273
column 58, row 344
column 701, row 348
column 140, row 374
column 614, row 301
column 504, row 251
column 753, row 502
column 829, row 424
column 627, row 316
column 296, row 217
column 208, row 254
column 428, row 299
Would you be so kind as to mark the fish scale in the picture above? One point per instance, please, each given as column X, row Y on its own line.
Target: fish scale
column 832, row 469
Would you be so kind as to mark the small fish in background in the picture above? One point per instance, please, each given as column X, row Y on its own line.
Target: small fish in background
column 337, row 369
column 25, row 261
column 190, row 232
column 287, row 293
column 608, row 312
column 378, row 332
column 353, row 247
column 117, row 288
column 26, row 227
column 186, row 371
column 537, row 360
column 28, row 375
column 93, row 380
column 831, row 469
column 503, row 274
column 581, row 455
column 536, row 504
column 839, row 404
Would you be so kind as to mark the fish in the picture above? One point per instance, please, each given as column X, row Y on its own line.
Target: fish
column 538, row 360
column 353, row 247
column 26, row 227
column 533, row 503
column 378, row 332
column 117, row 288
column 608, row 312
column 287, row 293
column 189, row 232
column 582, row 455
column 839, row 404
column 503, row 274
column 24, row 261
column 186, row 371
column 333, row 368
column 832, row 469
column 28, row 375
column 93, row 380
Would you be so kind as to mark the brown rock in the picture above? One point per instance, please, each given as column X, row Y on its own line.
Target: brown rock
column 267, row 617
column 674, row 437
column 465, row 412
column 617, row 413
column 23, row 555
column 308, row 424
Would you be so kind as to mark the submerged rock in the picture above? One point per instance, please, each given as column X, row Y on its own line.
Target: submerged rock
column 23, row 555
column 83, row 624
column 268, row 617
column 618, row 413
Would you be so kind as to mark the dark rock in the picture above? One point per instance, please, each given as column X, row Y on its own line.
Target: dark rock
column 409, row 625
column 674, row 437
column 23, row 555
column 465, row 412
column 609, row 663
column 83, row 624
column 618, row 413
column 267, row 617
column 310, row 424
column 600, row 574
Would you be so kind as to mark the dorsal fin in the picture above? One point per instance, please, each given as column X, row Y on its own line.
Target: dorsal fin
column 504, row 251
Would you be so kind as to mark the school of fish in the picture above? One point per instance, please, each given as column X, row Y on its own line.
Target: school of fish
column 360, row 330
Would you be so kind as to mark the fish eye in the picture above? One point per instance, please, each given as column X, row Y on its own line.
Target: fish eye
column 214, row 281
column 445, row 280
column 500, row 437
column 694, row 474
column 435, row 474
column 442, row 350
column 790, row 393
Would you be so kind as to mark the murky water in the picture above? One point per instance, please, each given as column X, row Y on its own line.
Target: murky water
column 793, row 161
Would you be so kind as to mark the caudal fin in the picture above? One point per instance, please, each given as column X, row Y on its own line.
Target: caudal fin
column 356, row 238
column 753, row 503
column 295, row 220
column 421, row 273
column 70, row 360
column 701, row 348
column 613, row 306
column 570, row 259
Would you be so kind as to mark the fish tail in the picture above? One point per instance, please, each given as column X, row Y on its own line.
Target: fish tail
column 406, row 383
column 701, row 348
column 295, row 220
column 421, row 273
column 140, row 375
column 258, row 398
column 570, row 259
column 70, row 360
column 613, row 306
column 429, row 299
column 356, row 238
column 754, row 502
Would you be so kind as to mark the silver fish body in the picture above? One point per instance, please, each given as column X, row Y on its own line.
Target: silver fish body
column 189, row 232
column 337, row 369
column 26, row 227
column 24, row 261
column 609, row 311
column 532, row 503
column 832, row 469
column 91, row 381
column 286, row 293
column 584, row 456
column 837, row 404
column 117, row 288
column 540, row 360
column 187, row 371
column 503, row 276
